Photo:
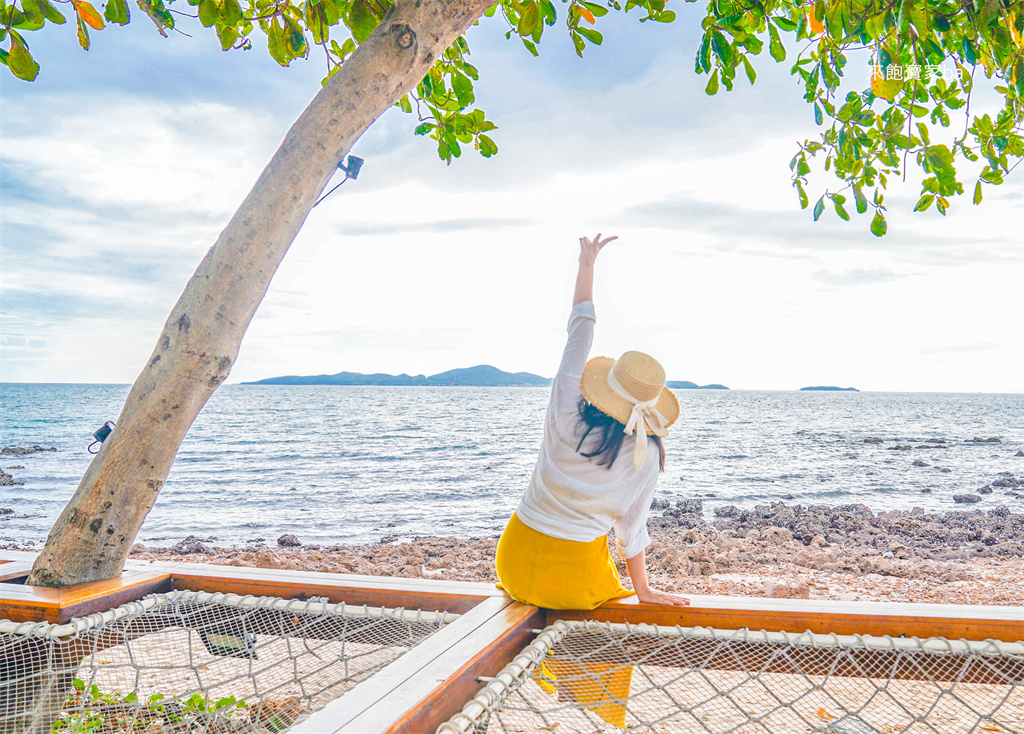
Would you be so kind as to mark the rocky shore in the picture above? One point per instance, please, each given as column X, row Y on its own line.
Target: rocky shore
column 780, row 550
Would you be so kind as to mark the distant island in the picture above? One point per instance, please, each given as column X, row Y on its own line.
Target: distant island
column 687, row 385
column 483, row 375
column 833, row 388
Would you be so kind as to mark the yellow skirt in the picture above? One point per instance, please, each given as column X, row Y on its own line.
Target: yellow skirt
column 537, row 569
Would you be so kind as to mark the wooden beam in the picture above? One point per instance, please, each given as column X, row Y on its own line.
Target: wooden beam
column 14, row 569
column 434, row 680
column 410, row 593
column 823, row 617
column 483, row 653
column 21, row 603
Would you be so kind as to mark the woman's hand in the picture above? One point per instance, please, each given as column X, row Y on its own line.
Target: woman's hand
column 637, row 567
column 650, row 596
column 589, row 248
column 585, row 276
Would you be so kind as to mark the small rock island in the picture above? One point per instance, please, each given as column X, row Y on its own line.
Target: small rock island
column 831, row 388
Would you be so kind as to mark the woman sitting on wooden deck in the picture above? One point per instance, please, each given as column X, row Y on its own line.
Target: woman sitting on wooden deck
column 554, row 551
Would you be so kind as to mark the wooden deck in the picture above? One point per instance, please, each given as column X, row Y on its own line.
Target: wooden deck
column 430, row 683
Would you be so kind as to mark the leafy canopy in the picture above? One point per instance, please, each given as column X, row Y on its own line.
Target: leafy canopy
column 919, row 62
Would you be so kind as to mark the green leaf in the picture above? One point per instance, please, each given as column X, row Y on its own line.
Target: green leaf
column 703, row 61
column 712, row 87
column 361, row 20
column 52, row 14
column 591, row 35
column 977, row 192
column 208, row 12
column 839, row 209
column 83, row 32
column 775, row 47
column 529, row 21
column 295, row 39
column 665, row 16
column 721, row 47
column 275, row 43
column 878, row 225
column 801, row 194
column 230, row 13
column 967, row 49
column 424, row 128
column 751, row 74
column 116, row 11
column 463, row 88
column 924, row 202
column 819, row 207
column 859, row 200
column 228, row 34
column 34, row 15
column 597, row 10
column 488, row 147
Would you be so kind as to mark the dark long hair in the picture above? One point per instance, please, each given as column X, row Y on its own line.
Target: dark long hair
column 608, row 439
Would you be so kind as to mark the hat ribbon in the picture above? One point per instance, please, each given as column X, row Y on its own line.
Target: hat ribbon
column 643, row 415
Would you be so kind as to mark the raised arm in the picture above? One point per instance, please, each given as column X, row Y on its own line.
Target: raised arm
column 585, row 275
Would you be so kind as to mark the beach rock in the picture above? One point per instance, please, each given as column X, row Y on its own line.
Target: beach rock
column 1020, row 452
column 788, row 497
column 872, row 439
column 660, row 504
column 1006, row 482
column 985, row 490
column 137, row 549
column 686, row 514
column 6, row 480
column 6, row 511
column 727, row 511
column 945, row 470
column 24, row 450
column 918, row 462
column 926, row 490
column 899, row 447
column 967, row 499
column 789, row 591
column 976, row 439
column 389, row 538
column 12, row 467
column 690, row 507
column 189, row 546
column 288, row 541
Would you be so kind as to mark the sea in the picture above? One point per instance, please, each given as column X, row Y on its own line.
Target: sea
column 341, row 464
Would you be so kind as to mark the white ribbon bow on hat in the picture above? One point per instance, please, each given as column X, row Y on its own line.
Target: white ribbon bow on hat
column 644, row 415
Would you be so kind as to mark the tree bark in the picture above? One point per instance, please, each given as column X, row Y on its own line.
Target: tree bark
column 194, row 354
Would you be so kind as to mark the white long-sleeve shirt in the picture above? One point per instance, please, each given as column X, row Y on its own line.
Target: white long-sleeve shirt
column 569, row 495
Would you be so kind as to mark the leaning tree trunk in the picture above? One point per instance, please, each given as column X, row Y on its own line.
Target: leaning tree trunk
column 91, row 539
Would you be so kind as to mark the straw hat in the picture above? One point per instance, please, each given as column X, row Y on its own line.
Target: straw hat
column 631, row 390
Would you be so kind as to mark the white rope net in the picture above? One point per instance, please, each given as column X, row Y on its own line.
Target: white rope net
column 196, row 662
column 589, row 677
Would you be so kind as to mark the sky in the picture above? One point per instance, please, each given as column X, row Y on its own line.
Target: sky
column 119, row 167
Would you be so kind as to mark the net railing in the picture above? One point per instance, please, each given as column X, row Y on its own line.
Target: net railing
column 590, row 677
column 196, row 662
